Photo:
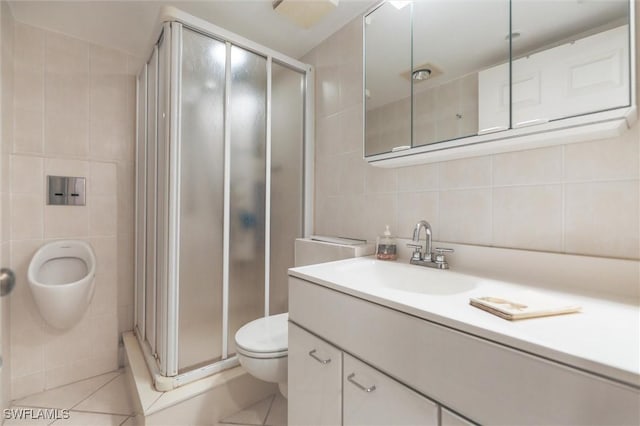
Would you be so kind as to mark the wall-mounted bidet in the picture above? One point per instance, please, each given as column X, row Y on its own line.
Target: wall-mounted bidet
column 62, row 280
column 263, row 346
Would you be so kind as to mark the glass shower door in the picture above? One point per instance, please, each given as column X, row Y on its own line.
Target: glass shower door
column 201, row 200
column 219, row 199
column 151, row 190
column 287, row 179
column 247, row 128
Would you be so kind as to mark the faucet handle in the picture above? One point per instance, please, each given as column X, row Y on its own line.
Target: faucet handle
column 417, row 251
column 440, row 256
column 443, row 250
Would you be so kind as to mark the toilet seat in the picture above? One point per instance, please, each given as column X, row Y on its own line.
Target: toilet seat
column 265, row 337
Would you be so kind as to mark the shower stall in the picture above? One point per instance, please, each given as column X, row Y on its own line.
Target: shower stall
column 224, row 143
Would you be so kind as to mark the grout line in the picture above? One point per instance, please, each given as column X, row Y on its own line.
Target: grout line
column 154, row 402
column 492, row 188
column 273, row 398
column 524, row 184
column 237, row 424
column 563, row 201
column 97, row 389
column 100, row 412
column 13, row 402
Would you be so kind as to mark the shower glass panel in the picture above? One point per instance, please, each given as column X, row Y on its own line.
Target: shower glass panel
column 201, row 192
column 141, row 185
column 223, row 132
column 287, row 179
column 247, row 112
column 151, row 190
column 162, row 198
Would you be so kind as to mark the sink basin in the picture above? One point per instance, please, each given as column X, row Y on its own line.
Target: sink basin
column 394, row 276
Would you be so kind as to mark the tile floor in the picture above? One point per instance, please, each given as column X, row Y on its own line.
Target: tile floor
column 99, row 401
column 271, row 411
column 105, row 401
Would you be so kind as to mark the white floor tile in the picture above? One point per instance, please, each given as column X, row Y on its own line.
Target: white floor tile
column 278, row 413
column 253, row 415
column 66, row 396
column 93, row 419
column 114, row 398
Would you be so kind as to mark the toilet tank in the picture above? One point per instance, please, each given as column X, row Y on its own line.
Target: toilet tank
column 311, row 251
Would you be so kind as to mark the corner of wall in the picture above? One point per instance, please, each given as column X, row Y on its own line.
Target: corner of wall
column 6, row 138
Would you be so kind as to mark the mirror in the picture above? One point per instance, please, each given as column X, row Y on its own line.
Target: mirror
column 488, row 66
column 569, row 58
column 454, row 40
column 387, row 95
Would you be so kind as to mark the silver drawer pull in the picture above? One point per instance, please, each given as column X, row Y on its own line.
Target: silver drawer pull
column 313, row 355
column 362, row 388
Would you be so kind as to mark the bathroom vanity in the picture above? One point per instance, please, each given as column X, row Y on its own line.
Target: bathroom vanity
column 383, row 343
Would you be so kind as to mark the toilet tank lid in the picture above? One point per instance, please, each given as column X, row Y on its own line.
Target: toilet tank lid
column 267, row 334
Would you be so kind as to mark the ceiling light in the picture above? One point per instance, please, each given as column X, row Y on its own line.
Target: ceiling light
column 399, row 4
column 304, row 13
column 421, row 74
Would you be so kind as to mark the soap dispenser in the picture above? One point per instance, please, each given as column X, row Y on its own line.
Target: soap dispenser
column 386, row 246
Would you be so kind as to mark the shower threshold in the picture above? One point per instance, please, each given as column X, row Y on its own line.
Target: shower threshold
column 166, row 383
column 219, row 394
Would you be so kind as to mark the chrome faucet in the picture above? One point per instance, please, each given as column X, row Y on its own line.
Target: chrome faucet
column 427, row 258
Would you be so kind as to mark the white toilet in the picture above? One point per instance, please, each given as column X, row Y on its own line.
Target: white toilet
column 262, row 348
column 61, row 276
column 262, row 345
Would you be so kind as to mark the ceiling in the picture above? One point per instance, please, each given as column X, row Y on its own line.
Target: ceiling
column 127, row 25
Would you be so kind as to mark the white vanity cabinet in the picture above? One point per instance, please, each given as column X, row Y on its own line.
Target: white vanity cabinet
column 477, row 378
column 315, row 380
column 373, row 399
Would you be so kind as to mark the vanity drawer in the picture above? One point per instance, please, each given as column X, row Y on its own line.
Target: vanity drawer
column 373, row 399
column 484, row 381
column 315, row 380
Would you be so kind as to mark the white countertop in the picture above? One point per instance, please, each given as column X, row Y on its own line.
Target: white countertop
column 603, row 339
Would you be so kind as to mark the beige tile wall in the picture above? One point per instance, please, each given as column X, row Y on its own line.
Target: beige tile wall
column 580, row 198
column 74, row 116
column 6, row 135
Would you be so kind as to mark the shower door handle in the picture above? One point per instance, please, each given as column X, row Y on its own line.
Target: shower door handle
column 7, row 281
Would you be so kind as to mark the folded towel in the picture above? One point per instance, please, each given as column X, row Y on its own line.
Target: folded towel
column 529, row 305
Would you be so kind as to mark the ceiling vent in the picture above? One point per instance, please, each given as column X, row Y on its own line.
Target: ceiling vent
column 304, row 13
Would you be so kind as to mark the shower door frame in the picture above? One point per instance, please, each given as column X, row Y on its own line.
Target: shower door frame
column 163, row 361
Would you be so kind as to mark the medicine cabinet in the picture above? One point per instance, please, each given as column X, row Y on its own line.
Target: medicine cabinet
column 449, row 79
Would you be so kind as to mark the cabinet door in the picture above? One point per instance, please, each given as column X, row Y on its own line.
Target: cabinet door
column 447, row 418
column 371, row 398
column 315, row 380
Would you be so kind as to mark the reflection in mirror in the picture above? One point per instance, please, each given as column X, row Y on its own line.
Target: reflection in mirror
column 570, row 58
column 387, row 91
column 452, row 42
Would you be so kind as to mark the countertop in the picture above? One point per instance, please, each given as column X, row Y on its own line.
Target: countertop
column 603, row 339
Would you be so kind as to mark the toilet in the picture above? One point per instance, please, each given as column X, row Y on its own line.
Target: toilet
column 262, row 349
column 262, row 345
column 61, row 277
